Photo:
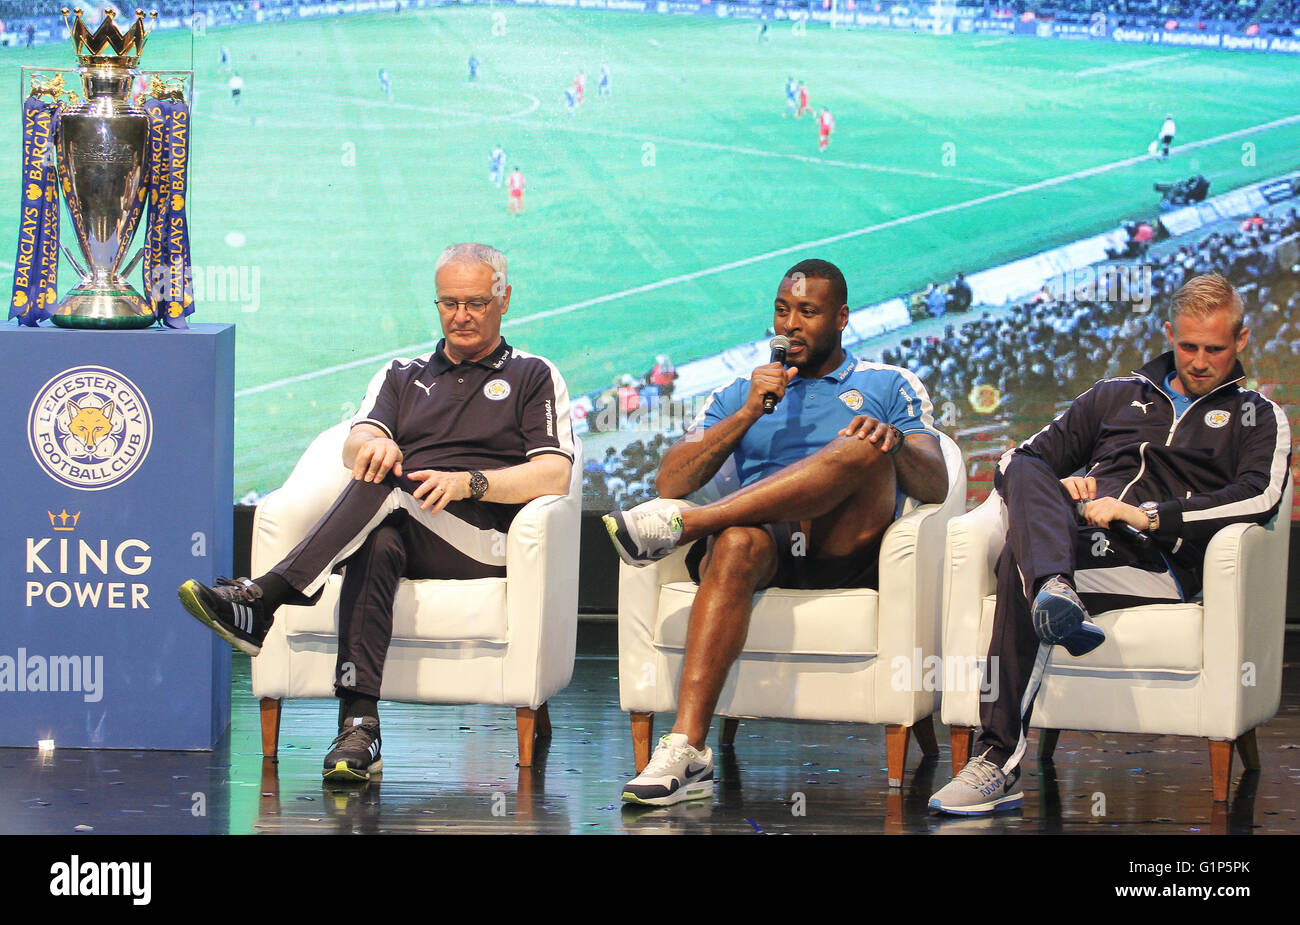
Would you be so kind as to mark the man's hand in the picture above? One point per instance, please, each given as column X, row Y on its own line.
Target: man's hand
column 1105, row 511
column 1081, row 488
column 884, row 436
column 767, row 380
column 440, row 488
column 375, row 459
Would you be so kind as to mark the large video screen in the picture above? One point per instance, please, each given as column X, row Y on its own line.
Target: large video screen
column 675, row 166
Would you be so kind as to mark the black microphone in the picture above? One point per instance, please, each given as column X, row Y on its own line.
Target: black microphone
column 780, row 346
column 1142, row 539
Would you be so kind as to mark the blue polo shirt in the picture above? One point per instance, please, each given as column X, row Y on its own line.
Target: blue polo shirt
column 1181, row 402
column 815, row 410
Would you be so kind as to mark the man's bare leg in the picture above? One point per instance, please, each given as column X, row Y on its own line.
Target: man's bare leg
column 743, row 559
column 806, row 490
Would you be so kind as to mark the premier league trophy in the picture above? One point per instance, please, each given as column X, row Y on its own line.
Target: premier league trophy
column 118, row 150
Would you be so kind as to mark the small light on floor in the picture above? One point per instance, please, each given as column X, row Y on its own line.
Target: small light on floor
column 45, row 745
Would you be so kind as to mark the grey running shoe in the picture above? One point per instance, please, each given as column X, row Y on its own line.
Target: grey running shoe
column 1060, row 618
column 980, row 787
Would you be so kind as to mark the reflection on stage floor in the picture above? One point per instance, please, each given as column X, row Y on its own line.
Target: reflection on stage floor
column 453, row 770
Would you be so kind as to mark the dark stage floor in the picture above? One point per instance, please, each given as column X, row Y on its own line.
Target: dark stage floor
column 452, row 770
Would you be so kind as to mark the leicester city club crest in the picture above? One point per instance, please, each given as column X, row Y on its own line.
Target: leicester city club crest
column 497, row 389
column 1217, row 418
column 89, row 428
column 852, row 399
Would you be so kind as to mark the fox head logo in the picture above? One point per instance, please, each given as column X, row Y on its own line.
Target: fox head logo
column 90, row 425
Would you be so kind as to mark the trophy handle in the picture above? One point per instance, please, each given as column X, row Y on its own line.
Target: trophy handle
column 134, row 260
column 72, row 260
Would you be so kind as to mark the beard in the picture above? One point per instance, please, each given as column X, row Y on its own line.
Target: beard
column 815, row 357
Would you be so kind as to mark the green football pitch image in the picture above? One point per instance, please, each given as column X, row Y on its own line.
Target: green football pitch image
column 659, row 217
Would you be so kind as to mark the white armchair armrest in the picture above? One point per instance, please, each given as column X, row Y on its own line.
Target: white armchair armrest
column 1244, row 605
column 542, row 598
column 974, row 542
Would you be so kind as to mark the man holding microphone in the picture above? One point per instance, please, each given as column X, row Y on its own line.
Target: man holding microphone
column 820, row 474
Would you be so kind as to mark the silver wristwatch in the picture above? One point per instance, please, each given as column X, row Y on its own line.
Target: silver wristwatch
column 1153, row 514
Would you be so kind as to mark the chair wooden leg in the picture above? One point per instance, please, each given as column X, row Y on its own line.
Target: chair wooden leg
column 1220, row 768
column 896, row 753
column 961, row 736
column 924, row 732
column 1047, row 743
column 642, row 729
column 727, row 735
column 270, row 727
column 526, row 721
column 1248, row 749
column 543, row 724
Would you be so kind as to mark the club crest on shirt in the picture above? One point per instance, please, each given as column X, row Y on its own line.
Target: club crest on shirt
column 1217, row 418
column 497, row 389
column 852, row 398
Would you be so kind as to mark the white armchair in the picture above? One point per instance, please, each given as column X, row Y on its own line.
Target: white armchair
column 1210, row 668
column 507, row 641
column 813, row 655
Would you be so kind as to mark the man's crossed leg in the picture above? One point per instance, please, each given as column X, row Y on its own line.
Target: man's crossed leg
column 814, row 524
column 1052, row 574
column 380, row 532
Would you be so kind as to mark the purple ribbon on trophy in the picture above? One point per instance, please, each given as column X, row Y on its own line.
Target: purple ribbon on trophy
column 167, row 270
column 36, row 265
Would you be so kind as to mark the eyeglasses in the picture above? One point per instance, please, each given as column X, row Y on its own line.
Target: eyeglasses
column 473, row 306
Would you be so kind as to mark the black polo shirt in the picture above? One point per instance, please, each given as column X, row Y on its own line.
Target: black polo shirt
column 486, row 414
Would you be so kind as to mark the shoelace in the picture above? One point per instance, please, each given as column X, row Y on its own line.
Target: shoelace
column 365, row 732
column 654, row 525
column 983, row 772
column 665, row 756
column 243, row 592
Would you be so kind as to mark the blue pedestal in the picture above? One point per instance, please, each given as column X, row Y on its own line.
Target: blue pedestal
column 117, row 485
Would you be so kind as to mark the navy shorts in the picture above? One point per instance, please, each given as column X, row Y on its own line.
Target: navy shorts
column 798, row 567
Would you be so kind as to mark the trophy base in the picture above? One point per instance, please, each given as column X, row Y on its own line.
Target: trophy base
column 103, row 309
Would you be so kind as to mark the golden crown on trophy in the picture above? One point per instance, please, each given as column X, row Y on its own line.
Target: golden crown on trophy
column 127, row 46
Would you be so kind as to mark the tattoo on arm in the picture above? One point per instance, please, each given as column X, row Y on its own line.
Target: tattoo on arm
column 706, row 465
column 701, row 463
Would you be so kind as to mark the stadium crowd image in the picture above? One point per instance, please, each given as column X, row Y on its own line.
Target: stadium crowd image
column 652, row 416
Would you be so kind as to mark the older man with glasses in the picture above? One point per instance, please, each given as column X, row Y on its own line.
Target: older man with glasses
column 445, row 450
